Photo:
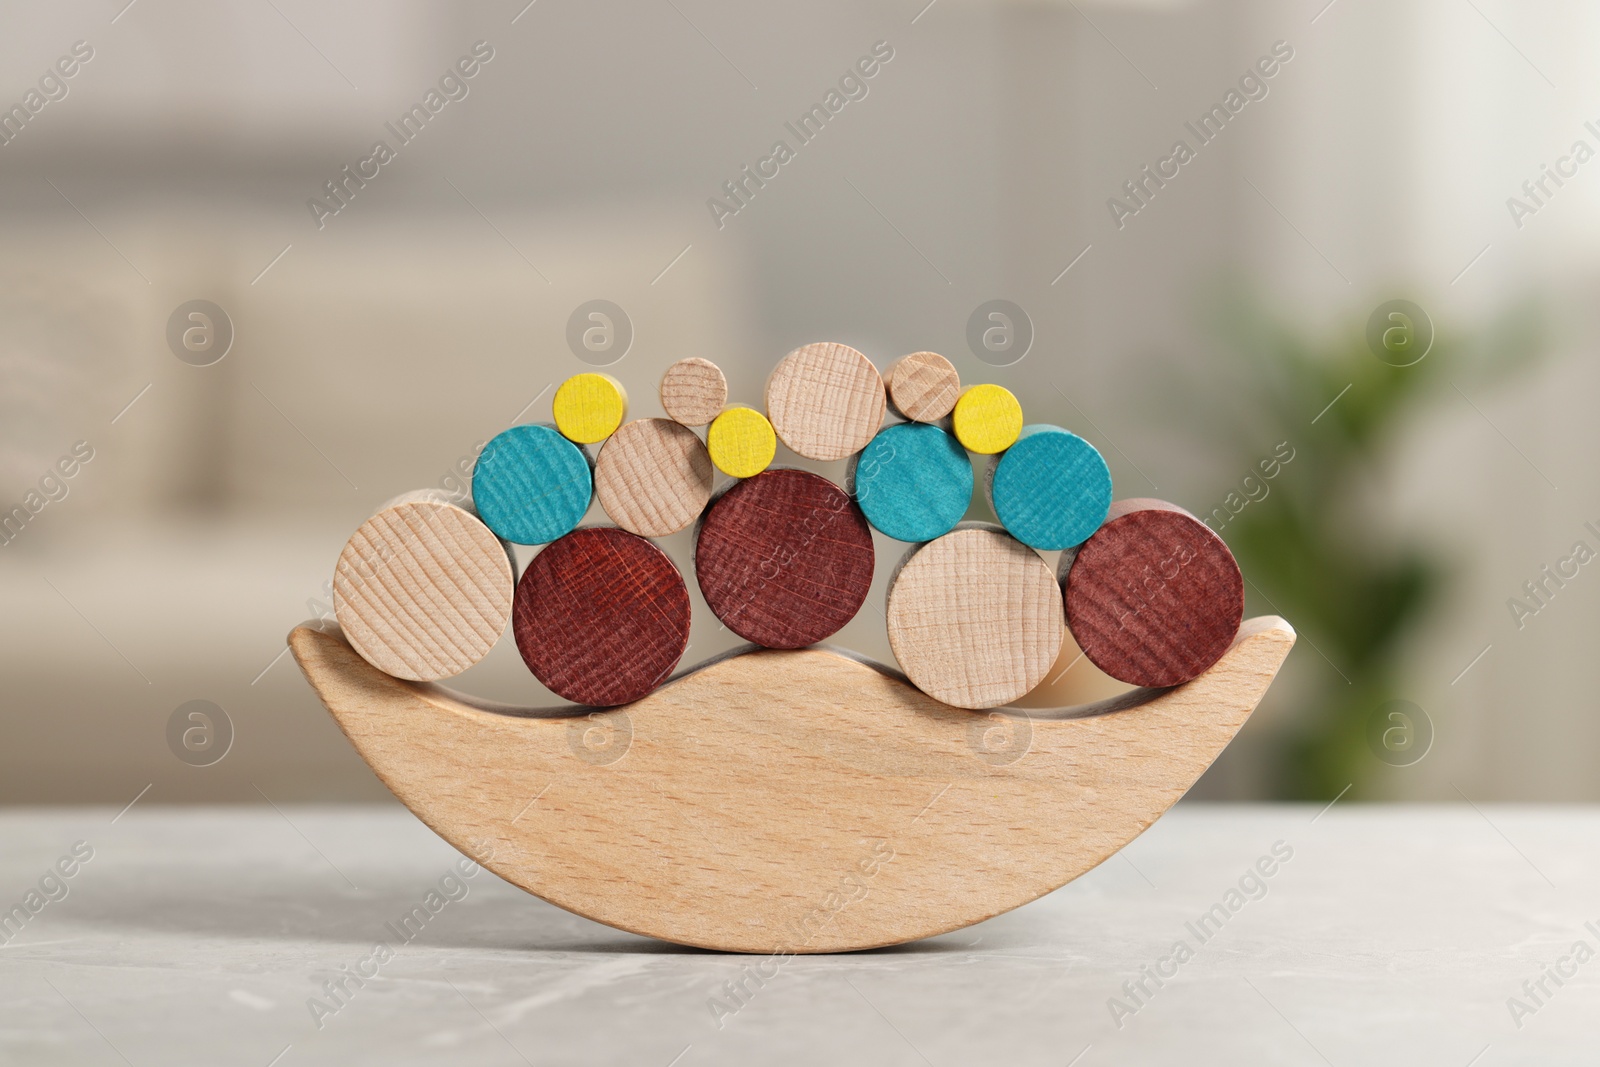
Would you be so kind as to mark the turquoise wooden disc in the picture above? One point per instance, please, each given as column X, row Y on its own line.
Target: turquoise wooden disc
column 913, row 481
column 532, row 485
column 1051, row 489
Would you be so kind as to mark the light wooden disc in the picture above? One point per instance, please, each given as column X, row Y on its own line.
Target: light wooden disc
column 987, row 419
column 653, row 477
column 694, row 391
column 589, row 407
column 975, row 617
column 923, row 386
column 826, row 401
column 423, row 590
column 741, row 442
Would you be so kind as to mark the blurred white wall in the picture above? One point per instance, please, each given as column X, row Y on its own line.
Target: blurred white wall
column 375, row 351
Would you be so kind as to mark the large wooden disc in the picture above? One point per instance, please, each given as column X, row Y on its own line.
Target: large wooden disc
column 1154, row 597
column 601, row 616
column 784, row 559
column 795, row 801
column 653, row 477
column 423, row 590
column 975, row 617
column 826, row 401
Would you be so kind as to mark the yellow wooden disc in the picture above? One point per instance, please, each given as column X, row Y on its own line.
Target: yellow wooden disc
column 589, row 407
column 742, row 442
column 988, row 419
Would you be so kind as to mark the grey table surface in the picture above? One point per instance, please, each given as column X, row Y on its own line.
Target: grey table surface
column 1389, row 935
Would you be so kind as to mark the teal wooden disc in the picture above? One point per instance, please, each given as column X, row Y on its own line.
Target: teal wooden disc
column 1051, row 489
column 913, row 481
column 532, row 485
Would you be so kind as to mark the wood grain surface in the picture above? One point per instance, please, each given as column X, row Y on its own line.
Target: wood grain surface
column 789, row 801
column 975, row 617
column 923, row 386
column 913, row 481
column 601, row 616
column 423, row 589
column 693, row 391
column 1051, row 489
column 589, row 407
column 741, row 442
column 531, row 485
column 1154, row 597
column 784, row 559
column 826, row 401
column 653, row 477
column 987, row 419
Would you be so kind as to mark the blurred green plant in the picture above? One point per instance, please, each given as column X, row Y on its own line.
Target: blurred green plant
column 1318, row 550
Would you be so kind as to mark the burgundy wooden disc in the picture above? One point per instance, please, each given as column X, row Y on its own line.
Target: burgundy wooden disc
column 601, row 616
column 1154, row 597
column 784, row 559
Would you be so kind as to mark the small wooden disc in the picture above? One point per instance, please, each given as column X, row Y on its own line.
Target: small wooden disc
column 741, row 442
column 923, row 386
column 913, row 482
column 694, row 391
column 825, row 400
column 784, row 559
column 423, row 590
column 1051, row 489
column 601, row 616
column 987, row 419
column 653, row 477
column 589, row 407
column 1154, row 597
column 531, row 485
column 975, row 617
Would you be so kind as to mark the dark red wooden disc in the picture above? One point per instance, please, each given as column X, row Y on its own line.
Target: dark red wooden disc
column 1154, row 597
column 784, row 559
column 601, row 616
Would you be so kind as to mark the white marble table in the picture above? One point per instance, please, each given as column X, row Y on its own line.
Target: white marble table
column 1391, row 936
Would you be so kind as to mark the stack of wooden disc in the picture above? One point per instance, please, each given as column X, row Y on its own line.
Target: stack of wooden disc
column 783, row 557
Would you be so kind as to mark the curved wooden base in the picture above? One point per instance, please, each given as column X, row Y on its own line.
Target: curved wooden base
column 789, row 801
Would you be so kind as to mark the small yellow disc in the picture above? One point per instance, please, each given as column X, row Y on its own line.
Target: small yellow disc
column 589, row 407
column 741, row 442
column 988, row 419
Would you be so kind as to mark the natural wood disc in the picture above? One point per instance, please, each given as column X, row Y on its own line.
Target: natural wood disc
column 1051, row 489
column 784, row 559
column 913, row 482
column 693, row 391
column 653, row 477
column 531, row 484
column 601, row 616
column 975, row 617
column 923, row 386
column 987, row 419
column 825, row 401
column 1154, row 597
column 423, row 590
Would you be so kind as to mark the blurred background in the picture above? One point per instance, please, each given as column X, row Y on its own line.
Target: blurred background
column 1211, row 324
